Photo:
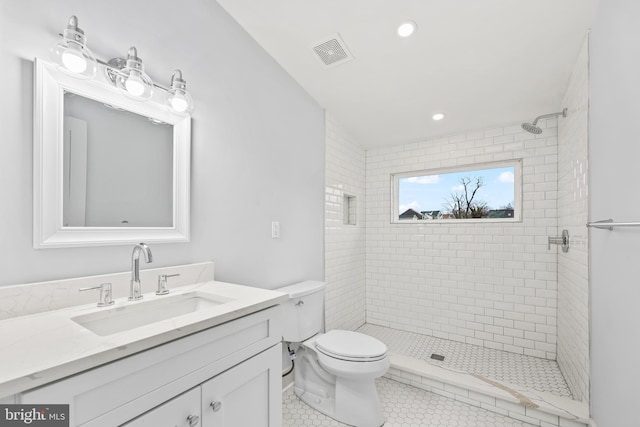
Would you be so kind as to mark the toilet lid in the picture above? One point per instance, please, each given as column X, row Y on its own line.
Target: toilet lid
column 350, row 345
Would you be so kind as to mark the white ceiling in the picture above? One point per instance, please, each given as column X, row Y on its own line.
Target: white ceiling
column 480, row 62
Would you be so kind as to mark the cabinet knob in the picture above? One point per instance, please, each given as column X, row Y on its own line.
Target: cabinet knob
column 193, row 420
column 216, row 406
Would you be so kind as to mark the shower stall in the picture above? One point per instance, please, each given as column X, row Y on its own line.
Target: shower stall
column 494, row 298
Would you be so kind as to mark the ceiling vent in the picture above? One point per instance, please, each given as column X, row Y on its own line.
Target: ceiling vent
column 332, row 51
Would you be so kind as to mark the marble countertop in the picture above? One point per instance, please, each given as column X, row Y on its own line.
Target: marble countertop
column 40, row 348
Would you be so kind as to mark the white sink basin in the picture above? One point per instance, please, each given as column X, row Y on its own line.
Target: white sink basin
column 137, row 314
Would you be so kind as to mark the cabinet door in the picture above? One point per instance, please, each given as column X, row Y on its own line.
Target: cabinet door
column 181, row 411
column 249, row 394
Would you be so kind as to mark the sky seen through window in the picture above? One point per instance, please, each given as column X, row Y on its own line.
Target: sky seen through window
column 431, row 192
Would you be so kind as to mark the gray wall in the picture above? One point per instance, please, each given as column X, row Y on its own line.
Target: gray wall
column 257, row 142
column 614, row 152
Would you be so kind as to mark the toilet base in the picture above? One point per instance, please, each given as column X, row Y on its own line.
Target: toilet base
column 354, row 404
column 352, row 401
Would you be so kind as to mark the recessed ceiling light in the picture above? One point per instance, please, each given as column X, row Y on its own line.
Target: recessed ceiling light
column 438, row 116
column 407, row 28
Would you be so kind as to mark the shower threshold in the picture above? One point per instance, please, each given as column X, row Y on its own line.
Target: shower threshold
column 523, row 387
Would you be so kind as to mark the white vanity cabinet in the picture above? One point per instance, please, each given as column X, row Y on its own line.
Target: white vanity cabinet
column 242, row 395
column 228, row 375
column 181, row 411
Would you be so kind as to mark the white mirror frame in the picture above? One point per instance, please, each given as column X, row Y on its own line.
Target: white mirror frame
column 48, row 230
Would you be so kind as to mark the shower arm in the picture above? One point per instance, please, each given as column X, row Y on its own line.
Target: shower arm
column 562, row 113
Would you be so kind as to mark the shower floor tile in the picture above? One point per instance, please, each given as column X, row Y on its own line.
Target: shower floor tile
column 515, row 369
column 403, row 406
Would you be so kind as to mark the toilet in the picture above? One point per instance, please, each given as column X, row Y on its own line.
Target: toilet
column 334, row 372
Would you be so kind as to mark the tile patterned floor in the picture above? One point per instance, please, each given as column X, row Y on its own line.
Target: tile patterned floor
column 403, row 406
column 516, row 369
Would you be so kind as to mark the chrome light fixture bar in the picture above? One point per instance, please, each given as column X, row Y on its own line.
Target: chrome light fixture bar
column 74, row 58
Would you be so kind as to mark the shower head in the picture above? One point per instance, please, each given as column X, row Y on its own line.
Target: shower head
column 536, row 130
column 531, row 128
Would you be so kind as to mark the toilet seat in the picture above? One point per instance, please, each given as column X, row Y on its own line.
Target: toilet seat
column 351, row 346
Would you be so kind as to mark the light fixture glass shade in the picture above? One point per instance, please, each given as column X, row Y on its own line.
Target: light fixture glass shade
column 407, row 28
column 132, row 81
column 177, row 98
column 71, row 53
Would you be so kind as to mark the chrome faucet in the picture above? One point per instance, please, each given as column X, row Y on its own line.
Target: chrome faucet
column 134, row 289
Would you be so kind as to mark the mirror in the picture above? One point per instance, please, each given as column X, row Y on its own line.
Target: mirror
column 117, row 167
column 107, row 169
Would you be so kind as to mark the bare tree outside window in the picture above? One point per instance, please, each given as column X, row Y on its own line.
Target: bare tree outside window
column 464, row 203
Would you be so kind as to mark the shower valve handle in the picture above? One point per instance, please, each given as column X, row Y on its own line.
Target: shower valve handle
column 562, row 241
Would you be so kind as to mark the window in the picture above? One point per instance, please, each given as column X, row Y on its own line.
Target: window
column 484, row 192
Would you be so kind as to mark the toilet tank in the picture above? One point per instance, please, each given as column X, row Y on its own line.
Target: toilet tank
column 303, row 314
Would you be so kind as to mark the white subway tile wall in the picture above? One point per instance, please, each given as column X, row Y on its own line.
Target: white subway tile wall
column 344, row 243
column 490, row 284
column 573, row 269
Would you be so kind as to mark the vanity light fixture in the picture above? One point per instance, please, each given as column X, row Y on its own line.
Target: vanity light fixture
column 73, row 57
column 128, row 75
column 71, row 53
column 177, row 97
column 407, row 28
column 438, row 116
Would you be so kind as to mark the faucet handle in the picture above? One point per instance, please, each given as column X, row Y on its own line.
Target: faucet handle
column 106, row 297
column 162, row 283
